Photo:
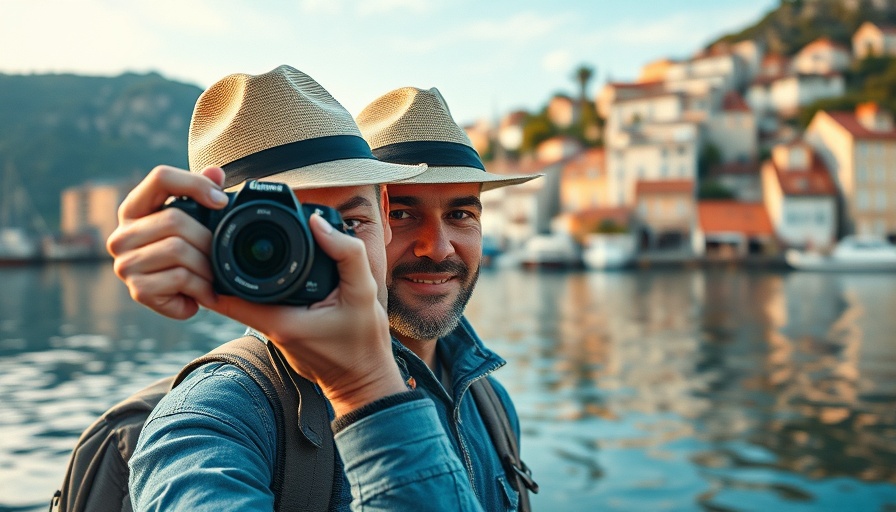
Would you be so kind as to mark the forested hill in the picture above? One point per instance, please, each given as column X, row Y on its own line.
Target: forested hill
column 62, row 130
column 796, row 23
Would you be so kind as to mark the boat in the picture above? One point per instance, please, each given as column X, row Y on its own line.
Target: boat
column 83, row 247
column 852, row 253
column 551, row 251
column 18, row 247
column 606, row 251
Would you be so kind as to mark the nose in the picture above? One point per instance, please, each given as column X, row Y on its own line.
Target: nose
column 433, row 242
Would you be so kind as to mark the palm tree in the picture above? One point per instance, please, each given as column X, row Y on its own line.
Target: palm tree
column 582, row 75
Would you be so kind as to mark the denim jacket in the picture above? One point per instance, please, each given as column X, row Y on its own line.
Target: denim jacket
column 210, row 443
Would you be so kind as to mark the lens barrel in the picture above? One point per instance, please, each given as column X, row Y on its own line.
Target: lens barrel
column 262, row 251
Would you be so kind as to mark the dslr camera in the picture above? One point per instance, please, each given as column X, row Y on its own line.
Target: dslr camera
column 262, row 247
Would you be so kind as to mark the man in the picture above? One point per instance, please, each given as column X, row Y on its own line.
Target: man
column 210, row 443
column 434, row 259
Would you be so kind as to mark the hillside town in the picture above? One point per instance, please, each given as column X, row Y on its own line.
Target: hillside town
column 701, row 162
column 698, row 160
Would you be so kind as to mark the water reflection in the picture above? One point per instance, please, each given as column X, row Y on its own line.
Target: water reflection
column 72, row 343
column 688, row 390
column 654, row 390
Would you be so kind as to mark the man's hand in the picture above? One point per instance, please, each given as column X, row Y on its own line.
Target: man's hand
column 342, row 343
column 162, row 255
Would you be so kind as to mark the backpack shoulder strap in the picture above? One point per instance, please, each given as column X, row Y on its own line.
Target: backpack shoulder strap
column 494, row 415
column 303, row 477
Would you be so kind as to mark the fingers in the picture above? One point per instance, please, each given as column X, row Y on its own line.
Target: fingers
column 175, row 293
column 164, row 182
column 157, row 226
column 164, row 254
column 355, row 279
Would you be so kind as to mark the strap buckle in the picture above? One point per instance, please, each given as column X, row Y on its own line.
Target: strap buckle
column 523, row 472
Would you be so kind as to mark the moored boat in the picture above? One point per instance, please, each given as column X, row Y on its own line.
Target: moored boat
column 852, row 253
column 18, row 247
column 551, row 251
column 605, row 251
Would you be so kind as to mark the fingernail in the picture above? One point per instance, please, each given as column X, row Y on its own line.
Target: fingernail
column 218, row 197
column 327, row 227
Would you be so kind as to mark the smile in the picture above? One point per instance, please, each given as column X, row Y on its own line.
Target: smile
column 429, row 281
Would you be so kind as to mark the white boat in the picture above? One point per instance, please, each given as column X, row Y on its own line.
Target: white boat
column 604, row 251
column 17, row 246
column 556, row 251
column 852, row 253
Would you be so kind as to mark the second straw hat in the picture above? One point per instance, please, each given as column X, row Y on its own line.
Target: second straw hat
column 411, row 125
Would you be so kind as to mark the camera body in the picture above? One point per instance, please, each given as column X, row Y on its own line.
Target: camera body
column 262, row 247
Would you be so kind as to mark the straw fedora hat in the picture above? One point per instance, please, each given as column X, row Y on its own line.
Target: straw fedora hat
column 283, row 126
column 411, row 125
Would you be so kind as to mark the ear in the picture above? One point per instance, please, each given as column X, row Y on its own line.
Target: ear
column 384, row 212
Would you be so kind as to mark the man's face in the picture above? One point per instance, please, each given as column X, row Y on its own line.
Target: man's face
column 363, row 208
column 433, row 257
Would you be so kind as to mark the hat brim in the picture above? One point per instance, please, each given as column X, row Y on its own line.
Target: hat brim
column 343, row 173
column 449, row 175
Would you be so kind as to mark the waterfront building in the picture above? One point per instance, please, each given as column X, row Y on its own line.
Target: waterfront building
column 859, row 148
column 91, row 210
column 800, row 197
column 665, row 215
column 732, row 230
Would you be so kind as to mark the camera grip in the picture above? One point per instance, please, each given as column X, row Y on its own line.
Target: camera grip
column 191, row 208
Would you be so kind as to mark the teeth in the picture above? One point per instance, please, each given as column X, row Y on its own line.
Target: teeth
column 427, row 281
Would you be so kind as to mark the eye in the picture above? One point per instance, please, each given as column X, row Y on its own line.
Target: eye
column 460, row 215
column 399, row 215
column 353, row 224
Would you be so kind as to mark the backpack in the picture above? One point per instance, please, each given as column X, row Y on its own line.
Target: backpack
column 494, row 415
column 97, row 474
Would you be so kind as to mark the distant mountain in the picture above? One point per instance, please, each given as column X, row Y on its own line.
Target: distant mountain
column 58, row 131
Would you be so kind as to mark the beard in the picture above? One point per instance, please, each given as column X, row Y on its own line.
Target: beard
column 426, row 322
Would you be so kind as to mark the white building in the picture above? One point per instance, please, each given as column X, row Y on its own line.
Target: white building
column 733, row 130
column 800, row 197
column 821, row 57
column 785, row 95
column 874, row 40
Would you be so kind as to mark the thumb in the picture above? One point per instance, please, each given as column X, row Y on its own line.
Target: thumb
column 356, row 281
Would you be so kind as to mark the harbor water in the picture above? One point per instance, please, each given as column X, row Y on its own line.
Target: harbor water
column 718, row 389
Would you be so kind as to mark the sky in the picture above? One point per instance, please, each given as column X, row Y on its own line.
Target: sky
column 487, row 57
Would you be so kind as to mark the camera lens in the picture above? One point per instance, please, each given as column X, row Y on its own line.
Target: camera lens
column 261, row 252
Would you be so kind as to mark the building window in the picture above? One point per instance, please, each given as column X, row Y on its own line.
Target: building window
column 862, row 200
column 861, row 174
column 881, row 172
column 880, row 200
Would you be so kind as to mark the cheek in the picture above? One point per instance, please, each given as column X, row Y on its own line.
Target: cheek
column 469, row 247
column 376, row 254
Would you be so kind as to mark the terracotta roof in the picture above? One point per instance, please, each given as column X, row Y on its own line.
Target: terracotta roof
column 815, row 181
column 664, row 187
column 886, row 29
column 822, row 43
column 849, row 122
column 734, row 102
column 718, row 216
